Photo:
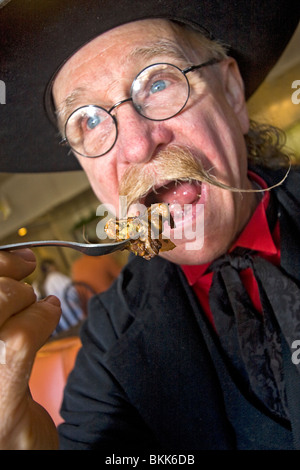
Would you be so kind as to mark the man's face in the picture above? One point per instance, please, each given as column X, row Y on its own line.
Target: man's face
column 211, row 127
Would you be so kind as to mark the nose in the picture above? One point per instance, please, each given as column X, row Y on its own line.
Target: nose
column 138, row 137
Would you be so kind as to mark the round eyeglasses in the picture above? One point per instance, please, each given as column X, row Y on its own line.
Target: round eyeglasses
column 159, row 92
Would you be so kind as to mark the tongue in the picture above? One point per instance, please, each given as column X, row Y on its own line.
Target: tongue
column 180, row 193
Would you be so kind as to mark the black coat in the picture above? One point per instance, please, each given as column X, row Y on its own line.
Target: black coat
column 150, row 375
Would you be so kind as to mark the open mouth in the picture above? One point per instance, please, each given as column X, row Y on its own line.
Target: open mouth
column 179, row 195
column 182, row 197
column 175, row 192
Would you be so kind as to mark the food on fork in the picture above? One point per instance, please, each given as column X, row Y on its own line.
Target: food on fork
column 143, row 231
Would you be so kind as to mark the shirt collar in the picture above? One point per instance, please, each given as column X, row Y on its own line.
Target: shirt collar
column 255, row 236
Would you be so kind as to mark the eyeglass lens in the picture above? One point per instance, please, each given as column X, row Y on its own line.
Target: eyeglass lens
column 91, row 131
column 160, row 91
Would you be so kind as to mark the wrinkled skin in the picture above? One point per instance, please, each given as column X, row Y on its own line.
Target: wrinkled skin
column 212, row 126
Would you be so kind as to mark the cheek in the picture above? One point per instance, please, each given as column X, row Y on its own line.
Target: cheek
column 103, row 180
column 216, row 132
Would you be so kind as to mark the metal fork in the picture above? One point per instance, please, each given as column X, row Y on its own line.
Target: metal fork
column 92, row 249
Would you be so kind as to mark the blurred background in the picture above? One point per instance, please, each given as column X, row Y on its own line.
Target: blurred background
column 62, row 206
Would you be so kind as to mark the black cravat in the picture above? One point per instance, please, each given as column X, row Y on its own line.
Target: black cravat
column 251, row 340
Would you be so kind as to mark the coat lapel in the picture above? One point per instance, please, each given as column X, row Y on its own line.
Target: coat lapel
column 163, row 364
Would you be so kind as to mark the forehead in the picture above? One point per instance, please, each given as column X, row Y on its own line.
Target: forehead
column 118, row 48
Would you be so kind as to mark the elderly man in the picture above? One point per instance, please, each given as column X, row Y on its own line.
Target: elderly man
column 192, row 349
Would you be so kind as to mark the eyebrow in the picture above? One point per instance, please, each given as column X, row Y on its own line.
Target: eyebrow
column 148, row 52
column 68, row 105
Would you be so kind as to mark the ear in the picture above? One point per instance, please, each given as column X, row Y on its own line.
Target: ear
column 234, row 91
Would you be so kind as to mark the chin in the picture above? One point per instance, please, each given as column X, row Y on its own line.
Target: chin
column 196, row 251
column 185, row 253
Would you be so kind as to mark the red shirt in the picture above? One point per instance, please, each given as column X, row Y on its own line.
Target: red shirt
column 255, row 236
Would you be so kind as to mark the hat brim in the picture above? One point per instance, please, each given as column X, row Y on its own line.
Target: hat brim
column 37, row 37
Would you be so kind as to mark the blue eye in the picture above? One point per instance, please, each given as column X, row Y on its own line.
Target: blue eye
column 92, row 122
column 160, row 85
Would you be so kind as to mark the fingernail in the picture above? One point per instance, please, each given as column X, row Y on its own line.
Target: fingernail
column 26, row 254
column 52, row 299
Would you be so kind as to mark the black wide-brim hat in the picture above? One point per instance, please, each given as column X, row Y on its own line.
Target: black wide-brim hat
column 37, row 37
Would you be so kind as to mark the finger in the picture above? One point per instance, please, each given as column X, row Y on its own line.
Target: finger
column 24, row 333
column 14, row 297
column 17, row 264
